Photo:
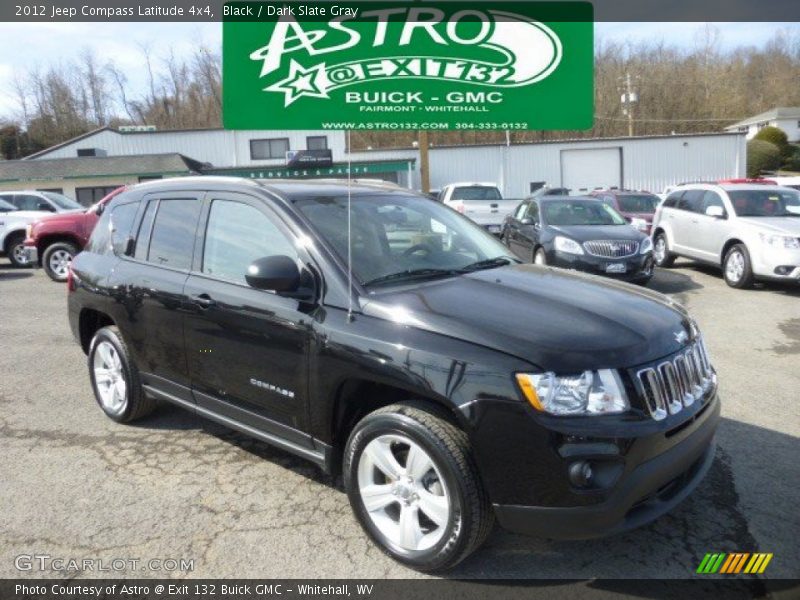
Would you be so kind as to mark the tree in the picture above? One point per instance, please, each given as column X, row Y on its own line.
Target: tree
column 762, row 156
column 778, row 137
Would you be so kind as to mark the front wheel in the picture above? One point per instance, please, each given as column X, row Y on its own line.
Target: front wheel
column 414, row 487
column 736, row 268
column 16, row 251
column 56, row 260
column 663, row 257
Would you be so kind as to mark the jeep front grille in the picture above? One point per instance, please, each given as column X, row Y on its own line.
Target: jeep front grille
column 677, row 382
column 611, row 248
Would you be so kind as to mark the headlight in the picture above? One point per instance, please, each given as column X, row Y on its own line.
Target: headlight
column 590, row 393
column 647, row 246
column 639, row 224
column 567, row 245
column 780, row 241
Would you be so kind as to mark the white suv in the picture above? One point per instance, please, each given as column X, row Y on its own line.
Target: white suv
column 751, row 231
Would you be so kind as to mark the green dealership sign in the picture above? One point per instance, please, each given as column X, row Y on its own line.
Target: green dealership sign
column 408, row 65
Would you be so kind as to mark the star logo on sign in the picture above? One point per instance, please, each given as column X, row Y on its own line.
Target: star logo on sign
column 302, row 82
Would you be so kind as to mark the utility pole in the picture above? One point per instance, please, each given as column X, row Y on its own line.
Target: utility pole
column 629, row 98
column 424, row 161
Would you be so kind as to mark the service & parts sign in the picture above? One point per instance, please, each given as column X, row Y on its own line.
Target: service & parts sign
column 408, row 65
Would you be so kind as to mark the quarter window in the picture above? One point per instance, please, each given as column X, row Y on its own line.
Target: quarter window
column 267, row 149
column 236, row 235
column 692, row 201
column 172, row 240
column 672, row 200
column 122, row 218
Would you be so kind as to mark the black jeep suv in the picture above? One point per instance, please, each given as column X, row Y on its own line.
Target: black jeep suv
column 448, row 383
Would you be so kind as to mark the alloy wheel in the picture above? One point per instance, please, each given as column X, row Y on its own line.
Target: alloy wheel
column 59, row 262
column 109, row 377
column 660, row 250
column 20, row 256
column 734, row 267
column 403, row 492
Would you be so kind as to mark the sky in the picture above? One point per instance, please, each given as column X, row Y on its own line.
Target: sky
column 27, row 45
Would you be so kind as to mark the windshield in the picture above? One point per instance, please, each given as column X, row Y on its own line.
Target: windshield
column 580, row 212
column 61, row 201
column 638, row 204
column 401, row 236
column 476, row 192
column 7, row 206
column 765, row 203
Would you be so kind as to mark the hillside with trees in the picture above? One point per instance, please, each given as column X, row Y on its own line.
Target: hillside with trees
column 680, row 90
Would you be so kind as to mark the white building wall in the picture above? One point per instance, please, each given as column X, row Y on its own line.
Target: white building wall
column 647, row 163
column 219, row 147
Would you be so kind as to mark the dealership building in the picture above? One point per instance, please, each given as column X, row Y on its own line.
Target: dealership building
column 88, row 166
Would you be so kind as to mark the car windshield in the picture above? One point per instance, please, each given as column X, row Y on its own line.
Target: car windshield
column 61, row 201
column 580, row 212
column 476, row 192
column 638, row 204
column 765, row 203
column 7, row 206
column 402, row 237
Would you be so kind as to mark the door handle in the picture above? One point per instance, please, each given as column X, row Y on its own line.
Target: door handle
column 204, row 301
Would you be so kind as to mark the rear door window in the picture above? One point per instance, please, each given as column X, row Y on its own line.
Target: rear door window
column 692, row 201
column 673, row 199
column 30, row 202
column 712, row 199
column 122, row 218
column 172, row 239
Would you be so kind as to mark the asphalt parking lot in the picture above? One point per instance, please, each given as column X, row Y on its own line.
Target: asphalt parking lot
column 77, row 485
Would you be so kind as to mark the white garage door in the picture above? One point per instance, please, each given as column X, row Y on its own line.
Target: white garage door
column 585, row 170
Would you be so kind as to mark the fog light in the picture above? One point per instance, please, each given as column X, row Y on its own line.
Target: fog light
column 580, row 474
column 784, row 270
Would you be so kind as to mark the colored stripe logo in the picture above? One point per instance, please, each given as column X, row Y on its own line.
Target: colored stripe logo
column 734, row 563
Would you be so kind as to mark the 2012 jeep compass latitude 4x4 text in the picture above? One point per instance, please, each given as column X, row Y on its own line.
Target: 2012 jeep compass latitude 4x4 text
column 450, row 385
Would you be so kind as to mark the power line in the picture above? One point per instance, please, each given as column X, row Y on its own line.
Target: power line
column 624, row 119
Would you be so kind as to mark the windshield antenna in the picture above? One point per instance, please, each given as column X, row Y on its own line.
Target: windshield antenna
column 349, row 232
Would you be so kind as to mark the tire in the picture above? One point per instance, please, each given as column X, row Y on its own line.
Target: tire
column 540, row 257
column 55, row 260
column 109, row 353
column 15, row 250
column 737, row 269
column 661, row 254
column 428, row 544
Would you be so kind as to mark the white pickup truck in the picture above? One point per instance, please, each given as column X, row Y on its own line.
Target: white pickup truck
column 481, row 202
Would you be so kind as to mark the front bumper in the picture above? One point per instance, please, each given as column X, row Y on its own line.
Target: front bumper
column 32, row 255
column 780, row 264
column 644, row 493
column 637, row 268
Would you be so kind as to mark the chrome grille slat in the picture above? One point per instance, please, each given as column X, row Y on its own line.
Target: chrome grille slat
column 676, row 383
column 611, row 248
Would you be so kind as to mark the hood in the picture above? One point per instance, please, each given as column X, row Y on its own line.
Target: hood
column 67, row 216
column 586, row 233
column 558, row 320
column 785, row 225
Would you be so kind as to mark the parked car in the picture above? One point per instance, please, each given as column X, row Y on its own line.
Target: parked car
column 13, row 223
column 31, row 200
column 751, row 231
column 638, row 208
column 582, row 234
column 449, row 384
column 481, row 202
column 54, row 240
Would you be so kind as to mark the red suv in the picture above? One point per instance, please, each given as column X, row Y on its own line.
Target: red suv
column 638, row 208
column 58, row 238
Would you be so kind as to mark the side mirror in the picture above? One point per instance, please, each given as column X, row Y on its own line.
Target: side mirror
column 526, row 221
column 99, row 210
column 279, row 274
column 45, row 206
column 716, row 211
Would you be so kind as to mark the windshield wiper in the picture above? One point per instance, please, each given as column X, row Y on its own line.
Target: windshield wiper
column 411, row 275
column 492, row 263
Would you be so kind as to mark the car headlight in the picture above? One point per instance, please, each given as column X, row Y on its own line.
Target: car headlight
column 639, row 224
column 590, row 393
column 567, row 245
column 780, row 241
column 647, row 246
